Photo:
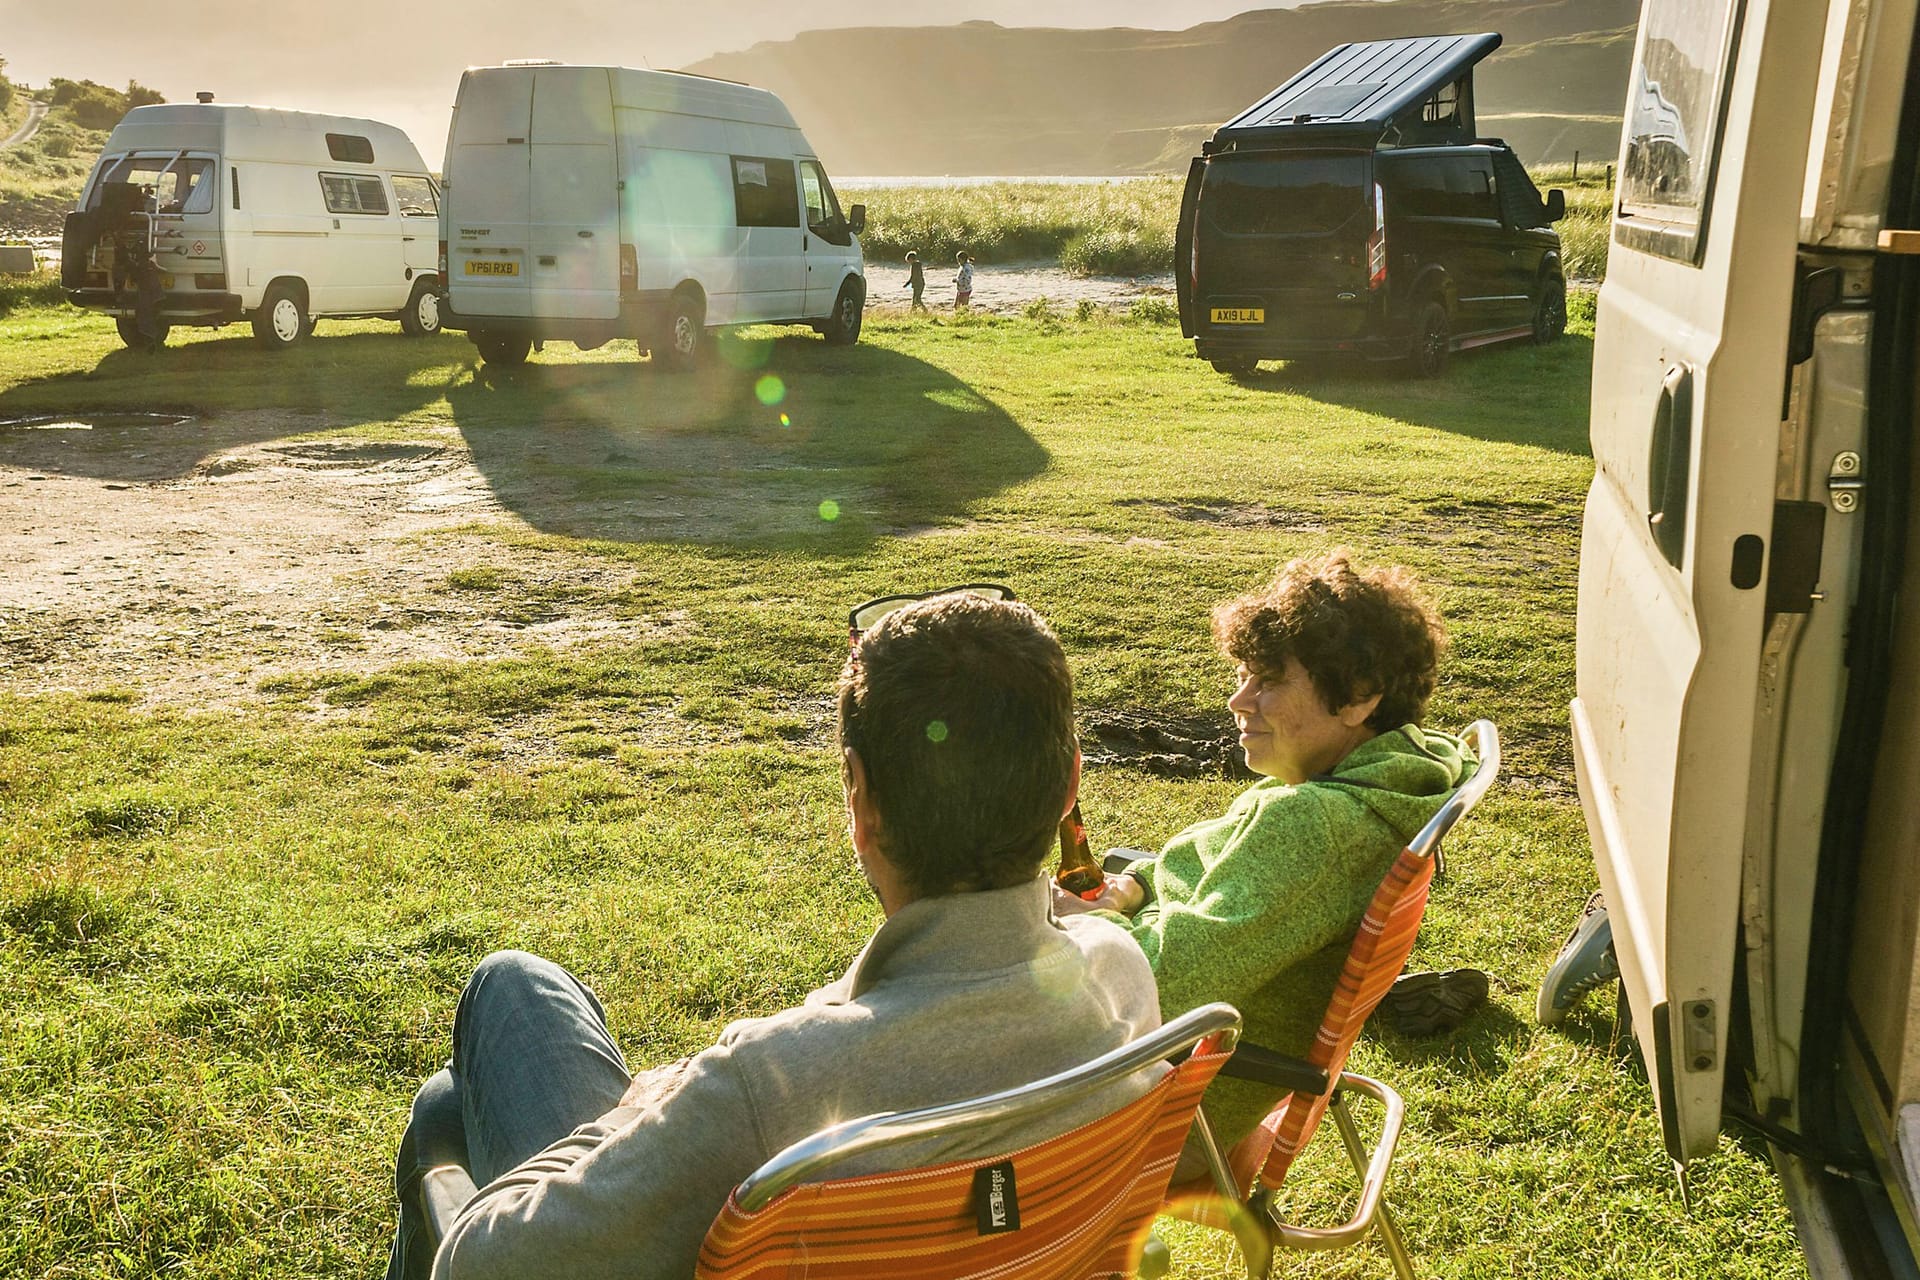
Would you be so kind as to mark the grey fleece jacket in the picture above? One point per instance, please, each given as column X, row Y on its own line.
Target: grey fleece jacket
column 953, row 997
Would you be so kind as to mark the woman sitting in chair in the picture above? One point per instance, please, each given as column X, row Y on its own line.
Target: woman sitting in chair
column 1259, row 906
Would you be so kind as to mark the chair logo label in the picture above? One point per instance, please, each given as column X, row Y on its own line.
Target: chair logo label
column 995, row 1203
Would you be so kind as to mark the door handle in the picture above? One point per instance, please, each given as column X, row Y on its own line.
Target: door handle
column 1670, row 463
column 584, row 235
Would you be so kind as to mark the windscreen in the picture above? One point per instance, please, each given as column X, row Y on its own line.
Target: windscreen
column 180, row 185
column 1285, row 194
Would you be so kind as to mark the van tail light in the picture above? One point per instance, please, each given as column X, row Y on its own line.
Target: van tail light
column 629, row 269
column 443, row 264
column 1377, row 243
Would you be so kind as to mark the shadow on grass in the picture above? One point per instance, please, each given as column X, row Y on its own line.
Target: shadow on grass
column 1510, row 394
column 1482, row 1046
column 235, row 393
column 775, row 442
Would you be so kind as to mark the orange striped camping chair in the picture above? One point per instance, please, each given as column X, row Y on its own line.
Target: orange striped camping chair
column 1079, row 1205
column 1248, row 1176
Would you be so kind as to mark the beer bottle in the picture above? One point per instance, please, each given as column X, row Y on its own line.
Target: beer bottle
column 1079, row 874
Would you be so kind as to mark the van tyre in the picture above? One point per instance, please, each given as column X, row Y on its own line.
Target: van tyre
column 1550, row 313
column 1432, row 340
column 130, row 334
column 281, row 320
column 421, row 319
column 842, row 328
column 1234, row 366
column 683, row 339
column 503, row 348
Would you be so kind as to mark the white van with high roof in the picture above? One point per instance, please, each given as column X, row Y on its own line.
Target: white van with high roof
column 208, row 213
column 588, row 203
column 1747, row 728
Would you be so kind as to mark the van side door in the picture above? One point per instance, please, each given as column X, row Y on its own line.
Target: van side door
column 773, row 267
column 1690, row 358
column 1478, row 241
column 418, row 203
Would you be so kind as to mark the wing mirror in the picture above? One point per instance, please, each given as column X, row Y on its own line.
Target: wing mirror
column 857, row 219
column 1556, row 205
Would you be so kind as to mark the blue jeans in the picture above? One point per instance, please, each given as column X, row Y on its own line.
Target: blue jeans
column 532, row 1061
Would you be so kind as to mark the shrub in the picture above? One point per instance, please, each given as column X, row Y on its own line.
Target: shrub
column 1153, row 311
column 138, row 95
column 41, row 289
column 97, row 108
column 1086, row 310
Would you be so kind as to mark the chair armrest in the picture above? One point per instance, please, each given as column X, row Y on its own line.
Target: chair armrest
column 1266, row 1066
column 443, row 1192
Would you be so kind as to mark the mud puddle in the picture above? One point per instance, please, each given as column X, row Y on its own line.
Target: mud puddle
column 1162, row 745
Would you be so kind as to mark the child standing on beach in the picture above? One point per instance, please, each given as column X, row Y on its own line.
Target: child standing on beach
column 963, row 281
column 916, row 280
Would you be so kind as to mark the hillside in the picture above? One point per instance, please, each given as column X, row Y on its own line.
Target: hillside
column 41, row 177
column 983, row 99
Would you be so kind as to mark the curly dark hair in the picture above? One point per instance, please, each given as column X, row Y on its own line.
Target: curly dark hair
column 1357, row 632
column 961, row 710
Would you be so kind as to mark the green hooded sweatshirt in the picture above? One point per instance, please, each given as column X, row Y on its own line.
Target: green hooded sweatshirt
column 1258, row 906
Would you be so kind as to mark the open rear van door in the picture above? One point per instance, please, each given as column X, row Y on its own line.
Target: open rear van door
column 1691, row 358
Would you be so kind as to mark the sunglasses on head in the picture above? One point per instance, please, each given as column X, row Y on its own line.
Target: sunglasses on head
column 863, row 617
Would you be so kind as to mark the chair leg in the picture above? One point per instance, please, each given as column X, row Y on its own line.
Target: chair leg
column 1356, row 1151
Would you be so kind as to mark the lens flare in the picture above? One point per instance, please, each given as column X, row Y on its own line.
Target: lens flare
column 936, row 731
column 770, row 389
column 785, row 421
column 829, row 510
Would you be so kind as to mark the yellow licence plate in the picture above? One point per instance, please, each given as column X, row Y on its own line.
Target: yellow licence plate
column 1239, row 315
column 475, row 267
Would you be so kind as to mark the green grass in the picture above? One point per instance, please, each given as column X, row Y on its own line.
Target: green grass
column 231, row 939
column 41, row 178
column 1123, row 228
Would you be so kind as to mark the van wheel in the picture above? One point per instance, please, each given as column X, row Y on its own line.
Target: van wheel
column 421, row 319
column 1428, row 359
column 503, row 348
column 281, row 320
column 130, row 334
column 683, row 339
column 842, row 328
column 1550, row 313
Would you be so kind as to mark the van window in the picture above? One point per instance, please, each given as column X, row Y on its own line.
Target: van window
column 415, row 196
column 1284, row 194
column 1520, row 202
column 1673, row 121
column 764, row 192
column 353, row 193
column 183, row 185
column 350, row 148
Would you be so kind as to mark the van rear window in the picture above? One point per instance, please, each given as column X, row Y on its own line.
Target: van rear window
column 1283, row 194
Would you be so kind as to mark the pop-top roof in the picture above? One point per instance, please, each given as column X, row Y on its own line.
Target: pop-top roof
column 1356, row 89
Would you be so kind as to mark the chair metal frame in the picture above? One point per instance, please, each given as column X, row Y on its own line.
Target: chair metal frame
column 1256, row 1222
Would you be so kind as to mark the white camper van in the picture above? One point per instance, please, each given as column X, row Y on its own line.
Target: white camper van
column 206, row 213
column 1747, row 730
column 591, row 203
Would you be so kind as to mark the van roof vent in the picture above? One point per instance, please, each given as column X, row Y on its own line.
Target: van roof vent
column 203, row 96
column 531, row 62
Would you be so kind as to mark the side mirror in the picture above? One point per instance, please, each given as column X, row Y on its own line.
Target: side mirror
column 1556, row 205
column 857, row 219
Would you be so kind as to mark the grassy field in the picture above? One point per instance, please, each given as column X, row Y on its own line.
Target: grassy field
column 1127, row 228
column 232, row 932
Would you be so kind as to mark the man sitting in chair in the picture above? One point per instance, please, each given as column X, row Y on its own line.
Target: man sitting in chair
column 958, row 759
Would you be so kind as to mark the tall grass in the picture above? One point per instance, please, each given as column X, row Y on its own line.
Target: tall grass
column 1584, row 231
column 41, row 289
column 1121, row 228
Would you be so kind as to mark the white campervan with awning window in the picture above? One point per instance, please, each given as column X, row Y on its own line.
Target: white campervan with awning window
column 1747, row 730
column 207, row 213
column 591, row 203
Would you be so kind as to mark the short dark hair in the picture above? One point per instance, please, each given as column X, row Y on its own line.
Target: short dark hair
column 1357, row 632
column 961, row 711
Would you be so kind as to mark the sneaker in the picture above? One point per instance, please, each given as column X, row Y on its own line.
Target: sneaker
column 1431, row 1004
column 1586, row 961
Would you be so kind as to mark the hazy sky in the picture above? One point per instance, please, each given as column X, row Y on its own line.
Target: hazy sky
column 400, row 60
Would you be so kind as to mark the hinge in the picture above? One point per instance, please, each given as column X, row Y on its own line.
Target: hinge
column 1845, row 485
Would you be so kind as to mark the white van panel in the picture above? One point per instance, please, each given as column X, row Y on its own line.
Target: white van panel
column 502, row 111
column 1668, row 653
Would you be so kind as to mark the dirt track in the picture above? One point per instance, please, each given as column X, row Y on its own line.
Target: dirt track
column 190, row 562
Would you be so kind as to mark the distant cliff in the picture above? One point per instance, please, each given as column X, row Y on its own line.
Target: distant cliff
column 979, row 98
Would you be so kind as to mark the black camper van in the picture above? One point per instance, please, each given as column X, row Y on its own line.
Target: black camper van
column 1354, row 211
